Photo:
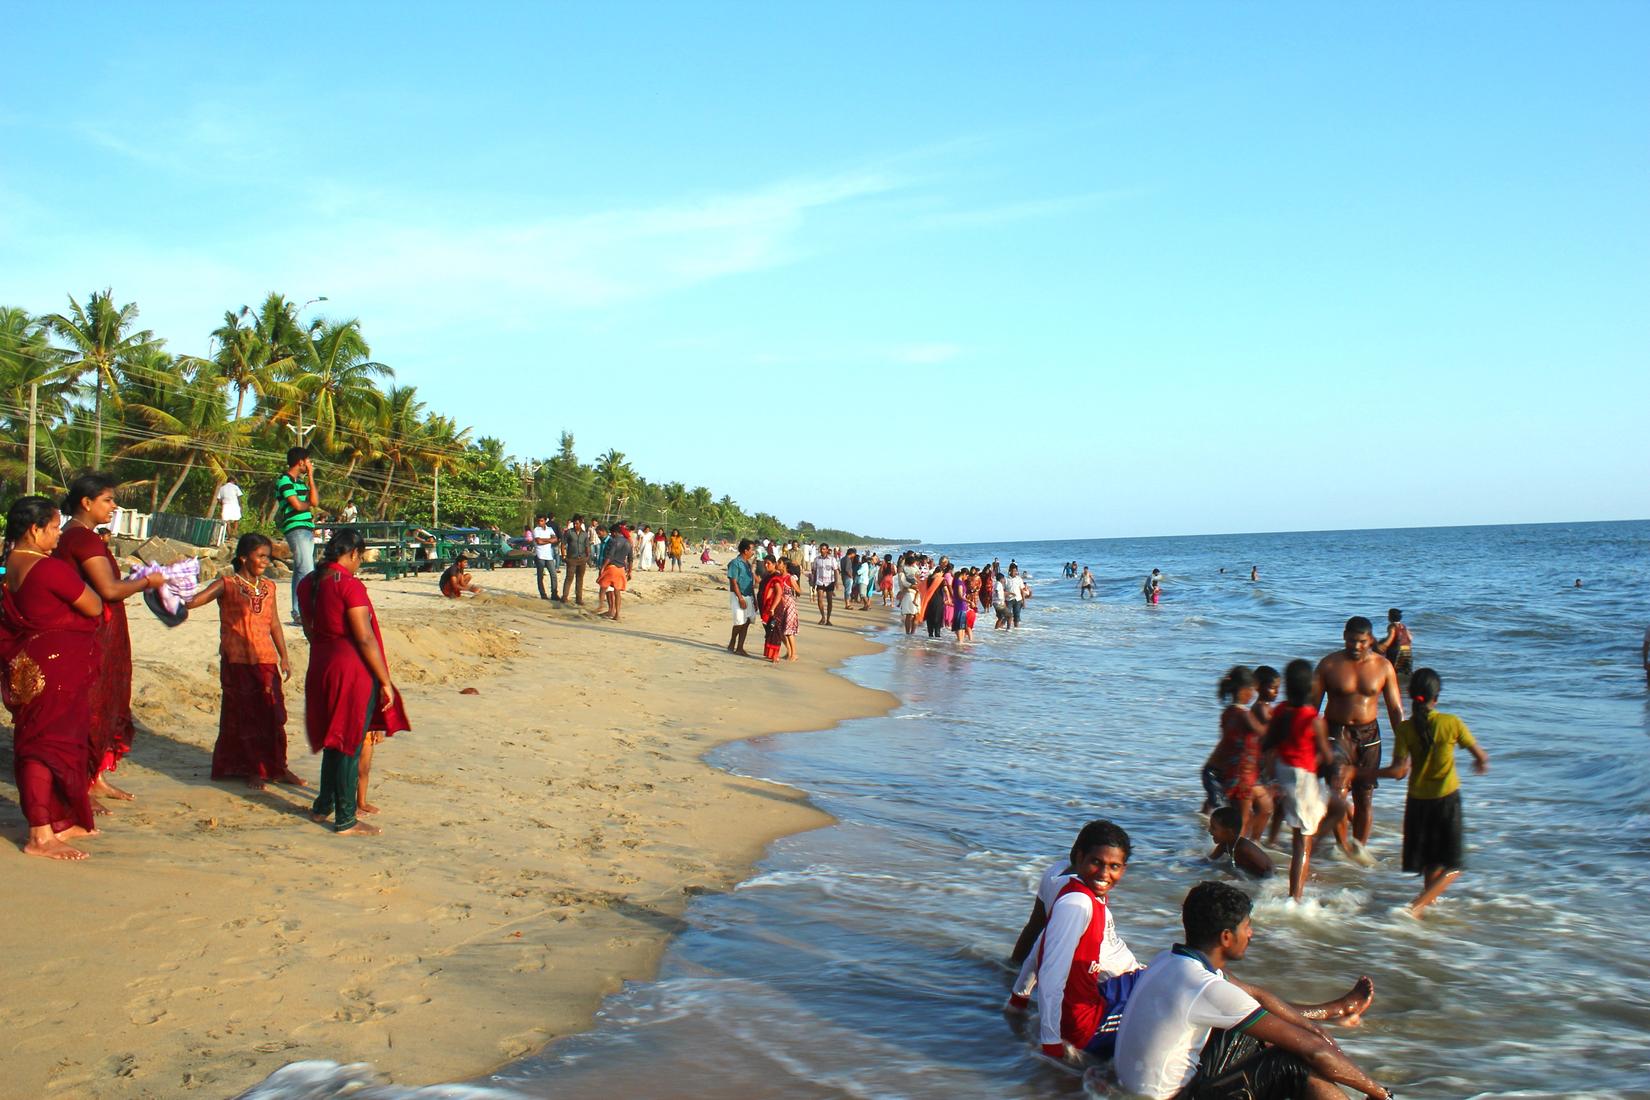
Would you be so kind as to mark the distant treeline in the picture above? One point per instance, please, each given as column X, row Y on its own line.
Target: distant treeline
column 110, row 396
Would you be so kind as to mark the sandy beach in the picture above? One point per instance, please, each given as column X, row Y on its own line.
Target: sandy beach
column 541, row 839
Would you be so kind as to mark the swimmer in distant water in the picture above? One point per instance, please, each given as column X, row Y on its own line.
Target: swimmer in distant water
column 1432, row 813
column 1578, row 582
column 1232, row 847
column 1153, row 586
column 1397, row 646
column 1254, row 572
column 1085, row 585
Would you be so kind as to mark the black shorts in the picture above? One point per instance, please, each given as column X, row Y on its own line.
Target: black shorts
column 1360, row 747
column 1237, row 1066
column 1432, row 833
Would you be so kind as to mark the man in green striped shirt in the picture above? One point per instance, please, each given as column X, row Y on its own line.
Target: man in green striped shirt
column 295, row 489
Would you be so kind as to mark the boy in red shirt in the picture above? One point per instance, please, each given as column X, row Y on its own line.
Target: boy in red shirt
column 1301, row 739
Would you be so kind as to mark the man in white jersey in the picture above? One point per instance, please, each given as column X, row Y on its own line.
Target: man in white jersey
column 1080, row 967
column 1193, row 1032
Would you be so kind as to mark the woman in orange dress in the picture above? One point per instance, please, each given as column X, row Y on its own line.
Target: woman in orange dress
column 48, row 645
column 90, row 504
column 253, row 663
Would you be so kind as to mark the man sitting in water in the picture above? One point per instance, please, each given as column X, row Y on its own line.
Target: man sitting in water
column 1080, row 967
column 1353, row 681
column 1193, row 1032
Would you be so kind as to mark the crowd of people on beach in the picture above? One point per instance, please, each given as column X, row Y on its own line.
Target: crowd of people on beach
column 1180, row 1026
column 66, row 650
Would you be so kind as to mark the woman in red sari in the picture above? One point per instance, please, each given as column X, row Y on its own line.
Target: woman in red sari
column 48, row 644
column 90, row 504
column 252, row 665
column 347, row 691
column 778, row 604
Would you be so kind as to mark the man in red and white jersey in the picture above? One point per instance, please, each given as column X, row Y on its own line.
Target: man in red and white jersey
column 1083, row 970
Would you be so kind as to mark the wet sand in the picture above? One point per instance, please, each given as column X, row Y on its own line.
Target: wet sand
column 541, row 839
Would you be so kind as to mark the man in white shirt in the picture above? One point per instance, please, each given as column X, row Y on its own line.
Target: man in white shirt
column 1192, row 1032
column 544, row 555
column 824, row 578
column 1014, row 594
column 229, row 499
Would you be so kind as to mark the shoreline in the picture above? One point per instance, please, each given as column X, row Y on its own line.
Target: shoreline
column 542, row 839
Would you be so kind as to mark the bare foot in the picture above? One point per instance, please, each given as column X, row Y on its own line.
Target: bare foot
column 291, row 779
column 360, row 828
column 99, row 809
column 74, row 831
column 366, row 807
column 790, row 658
column 254, row 783
column 102, row 788
column 320, row 819
column 1351, row 1008
column 52, row 848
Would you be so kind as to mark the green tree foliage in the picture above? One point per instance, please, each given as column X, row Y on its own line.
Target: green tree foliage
column 173, row 427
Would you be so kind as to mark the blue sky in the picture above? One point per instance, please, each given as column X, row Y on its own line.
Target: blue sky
column 960, row 271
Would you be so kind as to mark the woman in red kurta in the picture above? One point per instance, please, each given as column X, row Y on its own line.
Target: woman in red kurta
column 347, row 691
column 253, row 662
column 48, row 644
column 90, row 504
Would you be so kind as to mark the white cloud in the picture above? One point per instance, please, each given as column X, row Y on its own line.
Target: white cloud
column 411, row 269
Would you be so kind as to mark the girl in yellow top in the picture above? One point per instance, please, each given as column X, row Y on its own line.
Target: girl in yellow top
column 1432, row 813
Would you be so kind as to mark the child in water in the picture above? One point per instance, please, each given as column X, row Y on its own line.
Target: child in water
column 1231, row 846
column 1301, row 739
column 1432, row 812
column 1231, row 775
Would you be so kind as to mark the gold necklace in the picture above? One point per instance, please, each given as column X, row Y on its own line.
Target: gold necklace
column 26, row 550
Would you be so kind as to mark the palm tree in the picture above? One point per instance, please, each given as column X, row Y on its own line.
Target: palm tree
column 28, row 361
column 614, row 478
column 188, row 416
column 247, row 359
column 676, row 499
column 400, row 427
column 335, row 376
column 442, row 447
column 100, row 336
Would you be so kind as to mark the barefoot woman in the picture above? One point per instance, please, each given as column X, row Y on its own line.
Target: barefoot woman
column 89, row 505
column 347, row 690
column 48, row 642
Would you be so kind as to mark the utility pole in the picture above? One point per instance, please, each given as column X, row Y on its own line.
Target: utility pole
column 435, row 501
column 34, row 394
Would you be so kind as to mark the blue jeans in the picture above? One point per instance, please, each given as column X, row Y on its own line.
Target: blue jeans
column 302, row 541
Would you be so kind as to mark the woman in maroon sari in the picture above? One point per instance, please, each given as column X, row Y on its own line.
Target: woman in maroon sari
column 90, row 504
column 48, row 645
column 347, row 690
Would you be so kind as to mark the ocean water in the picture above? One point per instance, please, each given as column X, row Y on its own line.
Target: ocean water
column 868, row 959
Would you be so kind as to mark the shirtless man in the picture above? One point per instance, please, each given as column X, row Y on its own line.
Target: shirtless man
column 1354, row 681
